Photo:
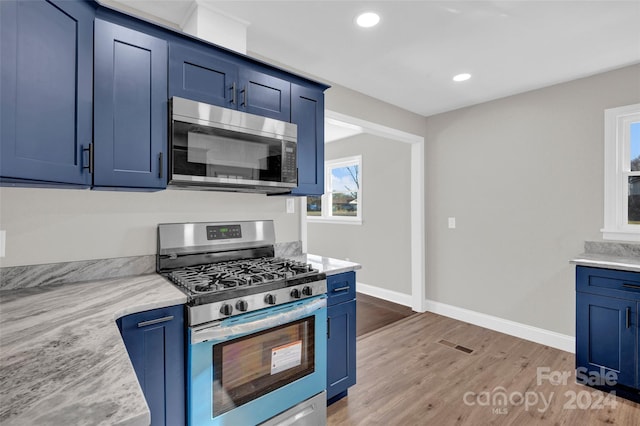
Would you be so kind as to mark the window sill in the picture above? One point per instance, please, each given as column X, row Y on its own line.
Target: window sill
column 337, row 221
column 615, row 234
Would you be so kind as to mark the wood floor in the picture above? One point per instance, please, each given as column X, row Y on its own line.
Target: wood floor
column 428, row 369
column 373, row 313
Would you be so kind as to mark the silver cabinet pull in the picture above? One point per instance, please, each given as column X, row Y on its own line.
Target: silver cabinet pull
column 335, row 290
column 155, row 321
column 244, row 97
column 633, row 286
column 233, row 93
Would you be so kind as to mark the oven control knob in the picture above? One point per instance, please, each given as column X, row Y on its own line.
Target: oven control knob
column 295, row 293
column 307, row 291
column 270, row 299
column 242, row 305
column 226, row 309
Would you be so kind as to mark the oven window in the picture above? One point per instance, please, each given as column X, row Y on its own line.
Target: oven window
column 254, row 365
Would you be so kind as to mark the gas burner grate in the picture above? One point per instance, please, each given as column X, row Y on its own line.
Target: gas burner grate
column 215, row 277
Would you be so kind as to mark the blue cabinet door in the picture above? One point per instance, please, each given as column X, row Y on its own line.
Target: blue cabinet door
column 156, row 345
column 201, row 76
column 130, row 111
column 341, row 349
column 307, row 111
column 606, row 332
column 204, row 76
column 265, row 95
column 46, row 90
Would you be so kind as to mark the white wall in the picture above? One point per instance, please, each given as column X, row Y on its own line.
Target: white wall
column 61, row 225
column 382, row 243
column 524, row 178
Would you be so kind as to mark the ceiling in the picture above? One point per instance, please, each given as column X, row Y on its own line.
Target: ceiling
column 409, row 59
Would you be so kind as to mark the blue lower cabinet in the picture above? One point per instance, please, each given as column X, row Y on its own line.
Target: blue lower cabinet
column 156, row 345
column 607, row 351
column 130, row 108
column 341, row 349
column 341, row 335
column 606, row 337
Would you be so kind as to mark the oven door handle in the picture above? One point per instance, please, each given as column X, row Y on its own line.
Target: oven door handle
column 263, row 320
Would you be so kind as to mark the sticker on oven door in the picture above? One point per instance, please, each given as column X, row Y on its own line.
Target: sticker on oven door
column 286, row 356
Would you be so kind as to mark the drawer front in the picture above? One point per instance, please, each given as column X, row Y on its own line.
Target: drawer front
column 608, row 282
column 341, row 288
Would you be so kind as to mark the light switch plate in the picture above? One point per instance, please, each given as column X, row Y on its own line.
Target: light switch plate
column 452, row 223
column 291, row 207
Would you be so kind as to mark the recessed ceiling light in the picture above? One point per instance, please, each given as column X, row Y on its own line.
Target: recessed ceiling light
column 368, row 19
column 462, row 77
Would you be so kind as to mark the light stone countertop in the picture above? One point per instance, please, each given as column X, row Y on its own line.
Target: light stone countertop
column 610, row 255
column 62, row 359
column 328, row 265
column 607, row 261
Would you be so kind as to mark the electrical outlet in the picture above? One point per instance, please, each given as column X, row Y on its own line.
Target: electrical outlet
column 3, row 239
column 452, row 223
column 291, row 207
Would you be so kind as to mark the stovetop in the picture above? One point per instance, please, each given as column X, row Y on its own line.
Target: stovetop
column 229, row 268
column 224, row 276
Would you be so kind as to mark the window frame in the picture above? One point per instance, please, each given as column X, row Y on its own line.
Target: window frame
column 327, row 198
column 617, row 170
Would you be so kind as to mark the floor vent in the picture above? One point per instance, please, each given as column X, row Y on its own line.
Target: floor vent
column 455, row 346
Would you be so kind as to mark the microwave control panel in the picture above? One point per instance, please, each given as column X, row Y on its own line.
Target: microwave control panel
column 289, row 162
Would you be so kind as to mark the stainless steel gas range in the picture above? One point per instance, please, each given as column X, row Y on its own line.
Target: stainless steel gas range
column 256, row 325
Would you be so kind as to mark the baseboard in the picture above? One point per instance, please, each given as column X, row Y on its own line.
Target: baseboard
column 523, row 331
column 382, row 293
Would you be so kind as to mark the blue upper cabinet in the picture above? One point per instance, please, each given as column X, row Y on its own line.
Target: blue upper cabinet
column 265, row 95
column 216, row 78
column 46, row 90
column 130, row 108
column 307, row 111
column 85, row 89
column 197, row 75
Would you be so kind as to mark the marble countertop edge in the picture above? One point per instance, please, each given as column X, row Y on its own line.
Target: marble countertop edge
column 605, row 261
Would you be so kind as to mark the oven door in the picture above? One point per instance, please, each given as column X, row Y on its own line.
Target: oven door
column 246, row 369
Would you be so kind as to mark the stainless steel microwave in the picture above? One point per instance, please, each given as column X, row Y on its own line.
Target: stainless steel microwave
column 220, row 148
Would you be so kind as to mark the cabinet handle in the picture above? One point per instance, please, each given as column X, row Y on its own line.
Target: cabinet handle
column 160, row 166
column 628, row 317
column 244, row 97
column 90, row 151
column 155, row 321
column 335, row 290
column 633, row 286
column 233, row 93
column 328, row 328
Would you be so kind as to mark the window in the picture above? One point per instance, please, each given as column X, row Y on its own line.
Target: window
column 342, row 199
column 622, row 173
